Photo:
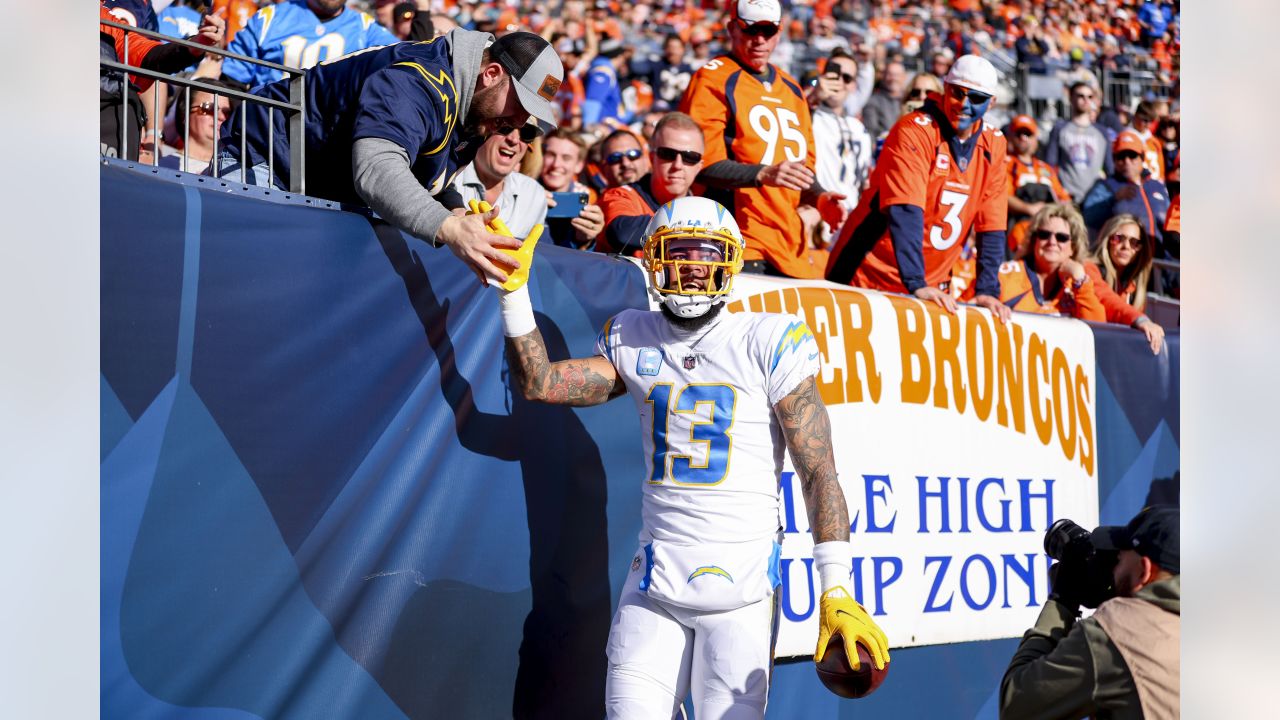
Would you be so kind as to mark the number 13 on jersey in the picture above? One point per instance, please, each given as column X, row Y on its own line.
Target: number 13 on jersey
column 709, row 411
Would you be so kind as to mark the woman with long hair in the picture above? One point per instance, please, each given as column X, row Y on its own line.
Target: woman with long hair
column 1121, row 267
column 1051, row 279
column 918, row 90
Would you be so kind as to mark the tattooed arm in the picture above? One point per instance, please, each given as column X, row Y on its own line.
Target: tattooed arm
column 808, row 431
column 579, row 381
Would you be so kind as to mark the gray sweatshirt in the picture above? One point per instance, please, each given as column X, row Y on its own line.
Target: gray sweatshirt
column 382, row 171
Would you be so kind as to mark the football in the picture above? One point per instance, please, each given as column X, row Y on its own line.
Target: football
column 834, row 671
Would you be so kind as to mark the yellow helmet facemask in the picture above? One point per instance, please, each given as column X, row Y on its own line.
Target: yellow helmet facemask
column 669, row 250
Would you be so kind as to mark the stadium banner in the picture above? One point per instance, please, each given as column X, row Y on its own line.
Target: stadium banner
column 958, row 439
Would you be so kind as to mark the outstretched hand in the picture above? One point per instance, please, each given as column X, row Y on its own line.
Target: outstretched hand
column 524, row 255
column 211, row 32
column 832, row 209
column 470, row 238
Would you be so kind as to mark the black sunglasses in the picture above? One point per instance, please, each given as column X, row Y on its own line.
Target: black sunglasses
column 975, row 97
column 1127, row 155
column 616, row 157
column 760, row 29
column 1063, row 238
column 846, row 77
column 528, row 133
column 689, row 157
column 915, row 93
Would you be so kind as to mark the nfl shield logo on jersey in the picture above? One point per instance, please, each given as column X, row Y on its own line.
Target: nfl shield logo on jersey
column 690, row 362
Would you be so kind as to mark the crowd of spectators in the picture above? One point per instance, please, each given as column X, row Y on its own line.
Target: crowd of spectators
column 858, row 67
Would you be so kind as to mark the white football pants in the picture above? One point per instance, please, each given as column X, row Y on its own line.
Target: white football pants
column 659, row 653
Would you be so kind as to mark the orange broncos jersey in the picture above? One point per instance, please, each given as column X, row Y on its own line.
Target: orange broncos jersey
column 236, row 13
column 1153, row 158
column 1038, row 172
column 1020, row 289
column 1173, row 221
column 916, row 168
column 757, row 119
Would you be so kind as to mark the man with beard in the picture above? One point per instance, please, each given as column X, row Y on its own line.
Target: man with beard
column 721, row 397
column 940, row 175
column 622, row 159
column 392, row 127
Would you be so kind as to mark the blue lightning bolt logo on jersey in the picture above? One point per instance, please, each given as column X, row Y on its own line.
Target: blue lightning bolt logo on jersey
column 795, row 335
column 291, row 34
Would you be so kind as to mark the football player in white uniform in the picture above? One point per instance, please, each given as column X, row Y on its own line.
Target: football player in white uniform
column 720, row 396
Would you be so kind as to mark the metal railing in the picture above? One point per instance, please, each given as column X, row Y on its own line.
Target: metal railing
column 1166, row 278
column 294, row 109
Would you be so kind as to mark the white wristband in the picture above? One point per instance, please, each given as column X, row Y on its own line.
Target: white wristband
column 517, row 312
column 834, row 559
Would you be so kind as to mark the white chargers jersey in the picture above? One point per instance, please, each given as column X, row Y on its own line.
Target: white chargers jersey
column 713, row 447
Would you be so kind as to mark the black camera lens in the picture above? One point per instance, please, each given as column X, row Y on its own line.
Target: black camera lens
column 1066, row 540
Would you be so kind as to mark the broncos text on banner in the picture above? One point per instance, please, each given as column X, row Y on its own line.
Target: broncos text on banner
column 958, row 441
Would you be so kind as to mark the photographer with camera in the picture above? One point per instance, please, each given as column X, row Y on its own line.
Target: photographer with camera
column 1122, row 662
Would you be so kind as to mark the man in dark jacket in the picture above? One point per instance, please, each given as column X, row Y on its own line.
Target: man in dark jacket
column 1123, row 661
column 1130, row 189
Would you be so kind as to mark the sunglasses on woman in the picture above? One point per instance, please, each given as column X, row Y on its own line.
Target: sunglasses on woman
column 690, row 157
column 846, row 77
column 616, row 157
column 917, row 94
column 1133, row 241
column 1061, row 237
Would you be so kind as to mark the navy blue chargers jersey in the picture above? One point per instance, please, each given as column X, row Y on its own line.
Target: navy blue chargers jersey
column 403, row 93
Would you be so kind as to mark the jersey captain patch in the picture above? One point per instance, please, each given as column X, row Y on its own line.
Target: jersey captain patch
column 649, row 361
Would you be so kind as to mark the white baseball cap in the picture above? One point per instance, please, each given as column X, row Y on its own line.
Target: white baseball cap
column 973, row 72
column 758, row 11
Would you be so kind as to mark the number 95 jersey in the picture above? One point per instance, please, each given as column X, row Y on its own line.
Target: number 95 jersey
column 764, row 119
column 713, row 445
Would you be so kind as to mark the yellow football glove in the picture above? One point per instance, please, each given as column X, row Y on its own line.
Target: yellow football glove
column 524, row 253
column 839, row 614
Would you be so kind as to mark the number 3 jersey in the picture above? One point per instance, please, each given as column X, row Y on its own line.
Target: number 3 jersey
column 917, row 167
column 757, row 118
column 713, row 446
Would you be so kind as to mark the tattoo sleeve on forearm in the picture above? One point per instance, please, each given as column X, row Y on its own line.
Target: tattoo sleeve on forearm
column 807, row 429
column 568, row 382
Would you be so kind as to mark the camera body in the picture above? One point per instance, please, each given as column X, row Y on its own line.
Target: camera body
column 1083, row 573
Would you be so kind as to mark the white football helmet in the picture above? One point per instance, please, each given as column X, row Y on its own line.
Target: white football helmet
column 692, row 250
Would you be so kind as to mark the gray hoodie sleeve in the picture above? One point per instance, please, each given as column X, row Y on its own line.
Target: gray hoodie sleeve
column 383, row 178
